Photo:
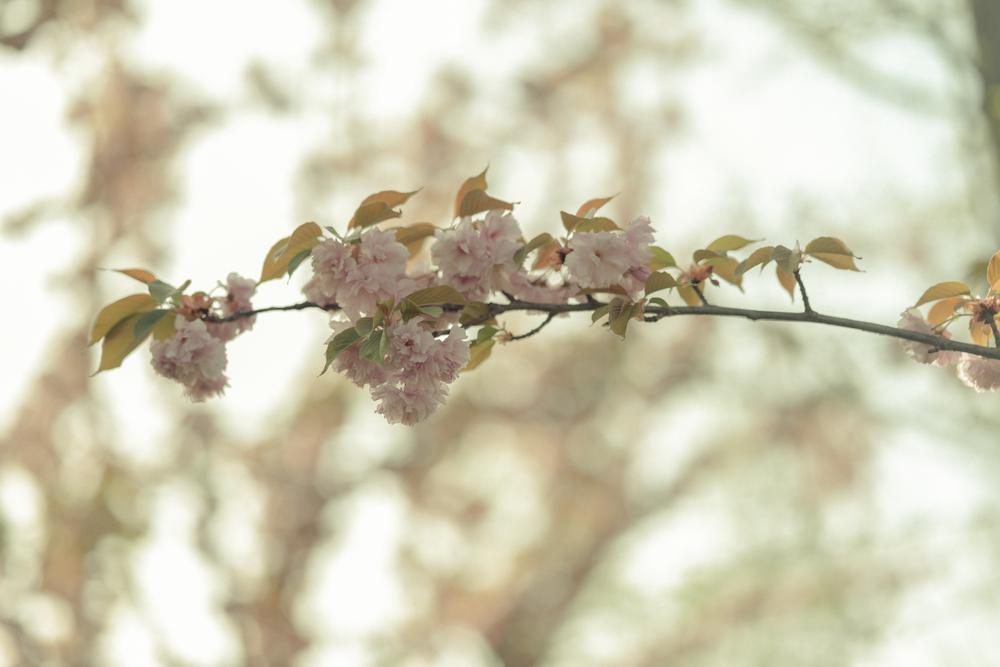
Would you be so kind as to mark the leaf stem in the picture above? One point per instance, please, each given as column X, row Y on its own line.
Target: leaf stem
column 805, row 297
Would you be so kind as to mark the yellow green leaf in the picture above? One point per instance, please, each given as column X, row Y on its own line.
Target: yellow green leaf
column 142, row 275
column 120, row 342
column 478, row 353
column 943, row 291
column 760, row 256
column 413, row 236
column 477, row 182
column 477, row 201
column 690, row 297
column 591, row 206
column 542, row 239
column 980, row 332
column 658, row 280
column 115, row 312
column 833, row 252
column 725, row 268
column 166, row 327
column 379, row 207
column 729, row 242
column 619, row 314
column 597, row 225
column 661, row 259
column 305, row 237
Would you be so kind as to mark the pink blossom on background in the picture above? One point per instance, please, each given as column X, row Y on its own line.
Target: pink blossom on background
column 912, row 320
column 331, row 260
column 239, row 291
column 979, row 373
column 607, row 259
column 409, row 403
column 598, row 259
column 193, row 357
column 467, row 254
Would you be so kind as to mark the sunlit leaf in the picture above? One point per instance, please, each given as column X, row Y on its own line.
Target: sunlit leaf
column 597, row 225
column 993, row 270
column 760, row 256
column 477, row 201
column 943, row 291
column 379, row 207
column 728, row 243
column 478, row 353
column 658, row 280
column 166, row 327
column 413, row 236
column 115, row 312
column 120, row 342
column 725, row 268
column 591, row 206
column 477, row 182
column 786, row 280
column 661, row 259
column 600, row 312
column 690, row 297
column 786, row 259
column 305, row 237
column 833, row 252
column 980, row 332
column 542, row 239
column 142, row 275
column 703, row 254
column 944, row 309
column 619, row 315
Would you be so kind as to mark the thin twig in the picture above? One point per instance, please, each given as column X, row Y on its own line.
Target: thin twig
column 545, row 322
column 701, row 295
column 805, row 296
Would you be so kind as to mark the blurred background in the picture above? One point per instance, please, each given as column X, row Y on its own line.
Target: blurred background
column 709, row 493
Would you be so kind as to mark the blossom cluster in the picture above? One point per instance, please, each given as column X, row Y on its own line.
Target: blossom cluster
column 195, row 355
column 977, row 372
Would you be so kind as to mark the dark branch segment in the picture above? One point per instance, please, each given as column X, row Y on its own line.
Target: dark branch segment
column 656, row 313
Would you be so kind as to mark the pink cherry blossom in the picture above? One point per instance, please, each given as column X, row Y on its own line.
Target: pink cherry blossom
column 408, row 403
column 193, row 357
column 468, row 254
column 598, row 259
column 979, row 373
column 331, row 261
column 912, row 320
column 239, row 291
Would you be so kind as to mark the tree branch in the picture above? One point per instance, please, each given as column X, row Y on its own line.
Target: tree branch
column 802, row 289
column 657, row 313
column 545, row 323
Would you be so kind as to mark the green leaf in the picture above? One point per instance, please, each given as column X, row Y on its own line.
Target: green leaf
column 474, row 311
column 478, row 353
column 371, row 349
column 338, row 344
column 379, row 207
column 619, row 315
column 160, row 290
column 833, row 252
column 298, row 259
column 760, row 256
column 943, row 291
column 661, row 259
column 725, row 268
column 148, row 321
column 659, row 280
column 485, row 333
column 703, row 254
column 438, row 295
column 364, row 326
column 120, row 342
column 600, row 312
column 115, row 312
column 657, row 301
column 542, row 239
column 729, row 242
